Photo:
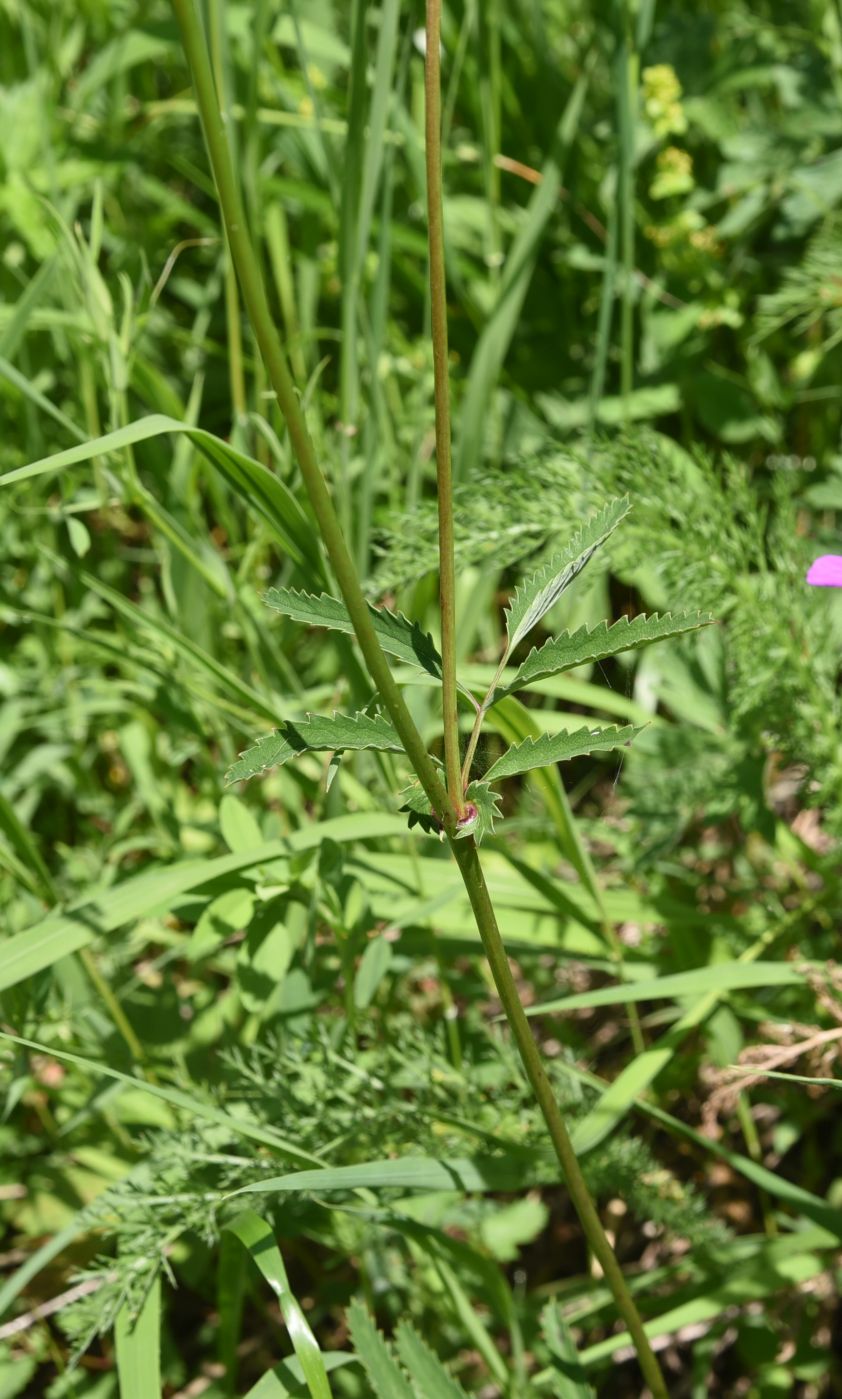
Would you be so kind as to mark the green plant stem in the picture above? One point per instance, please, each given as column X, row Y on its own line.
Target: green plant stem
column 257, row 306
column 467, row 858
column 441, row 371
column 479, row 718
column 236, row 372
column 627, row 85
column 464, row 851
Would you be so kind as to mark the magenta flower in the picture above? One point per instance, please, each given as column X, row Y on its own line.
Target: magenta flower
column 826, row 572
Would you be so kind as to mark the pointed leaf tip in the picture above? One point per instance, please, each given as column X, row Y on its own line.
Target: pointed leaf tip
column 572, row 649
column 558, row 748
column 534, row 597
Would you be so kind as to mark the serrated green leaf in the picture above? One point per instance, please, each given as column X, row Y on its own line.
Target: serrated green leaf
column 480, row 822
column 387, row 1379
column 569, row 1380
column 534, row 597
column 316, row 733
column 397, row 635
column 485, row 803
column 557, row 748
column 573, row 649
column 430, row 1379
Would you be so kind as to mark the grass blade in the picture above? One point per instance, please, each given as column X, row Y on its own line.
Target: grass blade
column 257, row 486
column 256, row 1236
column 138, row 1347
column 412, row 1173
column 722, row 976
column 60, row 934
column 497, row 335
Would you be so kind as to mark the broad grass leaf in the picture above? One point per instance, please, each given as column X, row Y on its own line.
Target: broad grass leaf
column 316, row 733
column 576, row 648
column 534, row 597
column 253, row 483
column 463, row 1173
column 397, row 635
column 374, row 964
column 238, row 824
column 722, row 976
column 557, row 748
column 138, row 1346
column 255, row 1235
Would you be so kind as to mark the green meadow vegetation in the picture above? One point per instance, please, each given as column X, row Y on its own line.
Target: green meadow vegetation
column 421, row 782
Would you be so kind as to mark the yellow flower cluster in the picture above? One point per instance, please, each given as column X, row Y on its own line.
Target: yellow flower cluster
column 673, row 173
column 662, row 100
column 687, row 230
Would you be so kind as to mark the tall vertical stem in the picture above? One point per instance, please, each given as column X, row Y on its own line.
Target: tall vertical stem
column 441, row 371
column 464, row 851
column 467, row 858
column 236, row 372
column 627, row 84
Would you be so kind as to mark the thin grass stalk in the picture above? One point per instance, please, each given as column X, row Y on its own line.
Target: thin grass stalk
column 606, row 307
column 236, row 368
column 441, row 371
column 627, row 84
column 464, row 850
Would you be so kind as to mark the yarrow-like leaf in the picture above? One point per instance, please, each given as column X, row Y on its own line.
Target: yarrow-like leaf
column 534, row 597
column 573, row 649
column 397, row 635
column 316, row 733
column 557, row 748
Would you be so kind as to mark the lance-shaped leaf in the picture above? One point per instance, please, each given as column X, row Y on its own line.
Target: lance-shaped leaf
column 396, row 634
column 556, row 748
column 573, row 649
column 316, row 733
column 534, row 597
